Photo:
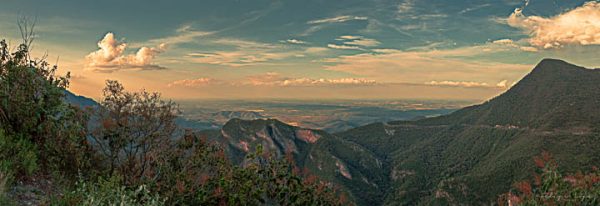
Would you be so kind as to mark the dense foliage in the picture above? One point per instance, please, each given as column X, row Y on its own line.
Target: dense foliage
column 127, row 151
column 550, row 187
column 39, row 131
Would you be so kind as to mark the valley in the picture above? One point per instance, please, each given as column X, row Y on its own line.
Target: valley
column 469, row 156
column 327, row 115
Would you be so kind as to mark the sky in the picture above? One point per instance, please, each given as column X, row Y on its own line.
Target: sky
column 307, row 49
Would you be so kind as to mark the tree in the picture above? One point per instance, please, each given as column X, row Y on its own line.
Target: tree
column 134, row 130
column 33, row 111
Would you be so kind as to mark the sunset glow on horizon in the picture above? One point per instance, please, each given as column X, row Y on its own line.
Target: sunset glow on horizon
column 378, row 49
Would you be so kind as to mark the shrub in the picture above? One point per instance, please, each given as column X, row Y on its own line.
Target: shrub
column 199, row 173
column 110, row 191
column 34, row 116
column 134, row 130
column 550, row 187
column 18, row 157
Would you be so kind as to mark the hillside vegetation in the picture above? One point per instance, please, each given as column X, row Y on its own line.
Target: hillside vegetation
column 128, row 150
column 475, row 154
column 57, row 148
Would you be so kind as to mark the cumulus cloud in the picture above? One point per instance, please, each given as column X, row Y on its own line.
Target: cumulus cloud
column 579, row 26
column 276, row 79
column 338, row 19
column 110, row 57
column 192, row 82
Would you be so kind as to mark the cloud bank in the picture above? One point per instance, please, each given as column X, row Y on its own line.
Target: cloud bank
column 192, row 82
column 276, row 79
column 110, row 57
column 273, row 79
column 468, row 84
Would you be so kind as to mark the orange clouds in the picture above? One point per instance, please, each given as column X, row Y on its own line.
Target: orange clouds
column 272, row 79
column 192, row 82
column 275, row 79
column 468, row 84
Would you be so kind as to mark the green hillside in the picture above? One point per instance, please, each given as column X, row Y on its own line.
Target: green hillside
column 468, row 157
column 474, row 154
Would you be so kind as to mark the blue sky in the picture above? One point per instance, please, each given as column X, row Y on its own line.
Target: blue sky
column 308, row 49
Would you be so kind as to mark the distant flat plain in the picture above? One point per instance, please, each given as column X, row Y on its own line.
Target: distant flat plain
column 328, row 115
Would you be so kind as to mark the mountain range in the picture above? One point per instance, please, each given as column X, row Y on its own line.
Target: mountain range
column 467, row 157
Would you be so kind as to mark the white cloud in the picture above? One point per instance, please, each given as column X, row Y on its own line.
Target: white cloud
column 580, row 26
column 338, row 19
column 502, row 84
column 192, row 82
column 457, row 84
column 276, row 79
column 246, row 53
column 110, row 57
column 245, row 44
column 503, row 41
column 237, row 58
column 529, row 49
column 358, row 41
column 406, row 6
column 511, row 43
column 184, row 34
column 294, row 41
column 474, row 8
column 467, row 84
column 408, row 9
column 348, row 37
column 335, row 46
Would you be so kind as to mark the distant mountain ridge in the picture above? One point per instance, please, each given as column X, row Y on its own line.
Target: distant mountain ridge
column 80, row 101
column 555, row 94
column 474, row 154
column 467, row 157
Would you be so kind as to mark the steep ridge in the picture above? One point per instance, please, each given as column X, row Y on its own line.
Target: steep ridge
column 476, row 153
column 555, row 95
column 330, row 158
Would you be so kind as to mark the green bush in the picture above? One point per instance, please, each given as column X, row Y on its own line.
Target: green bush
column 17, row 157
column 4, row 200
column 110, row 192
column 41, row 129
